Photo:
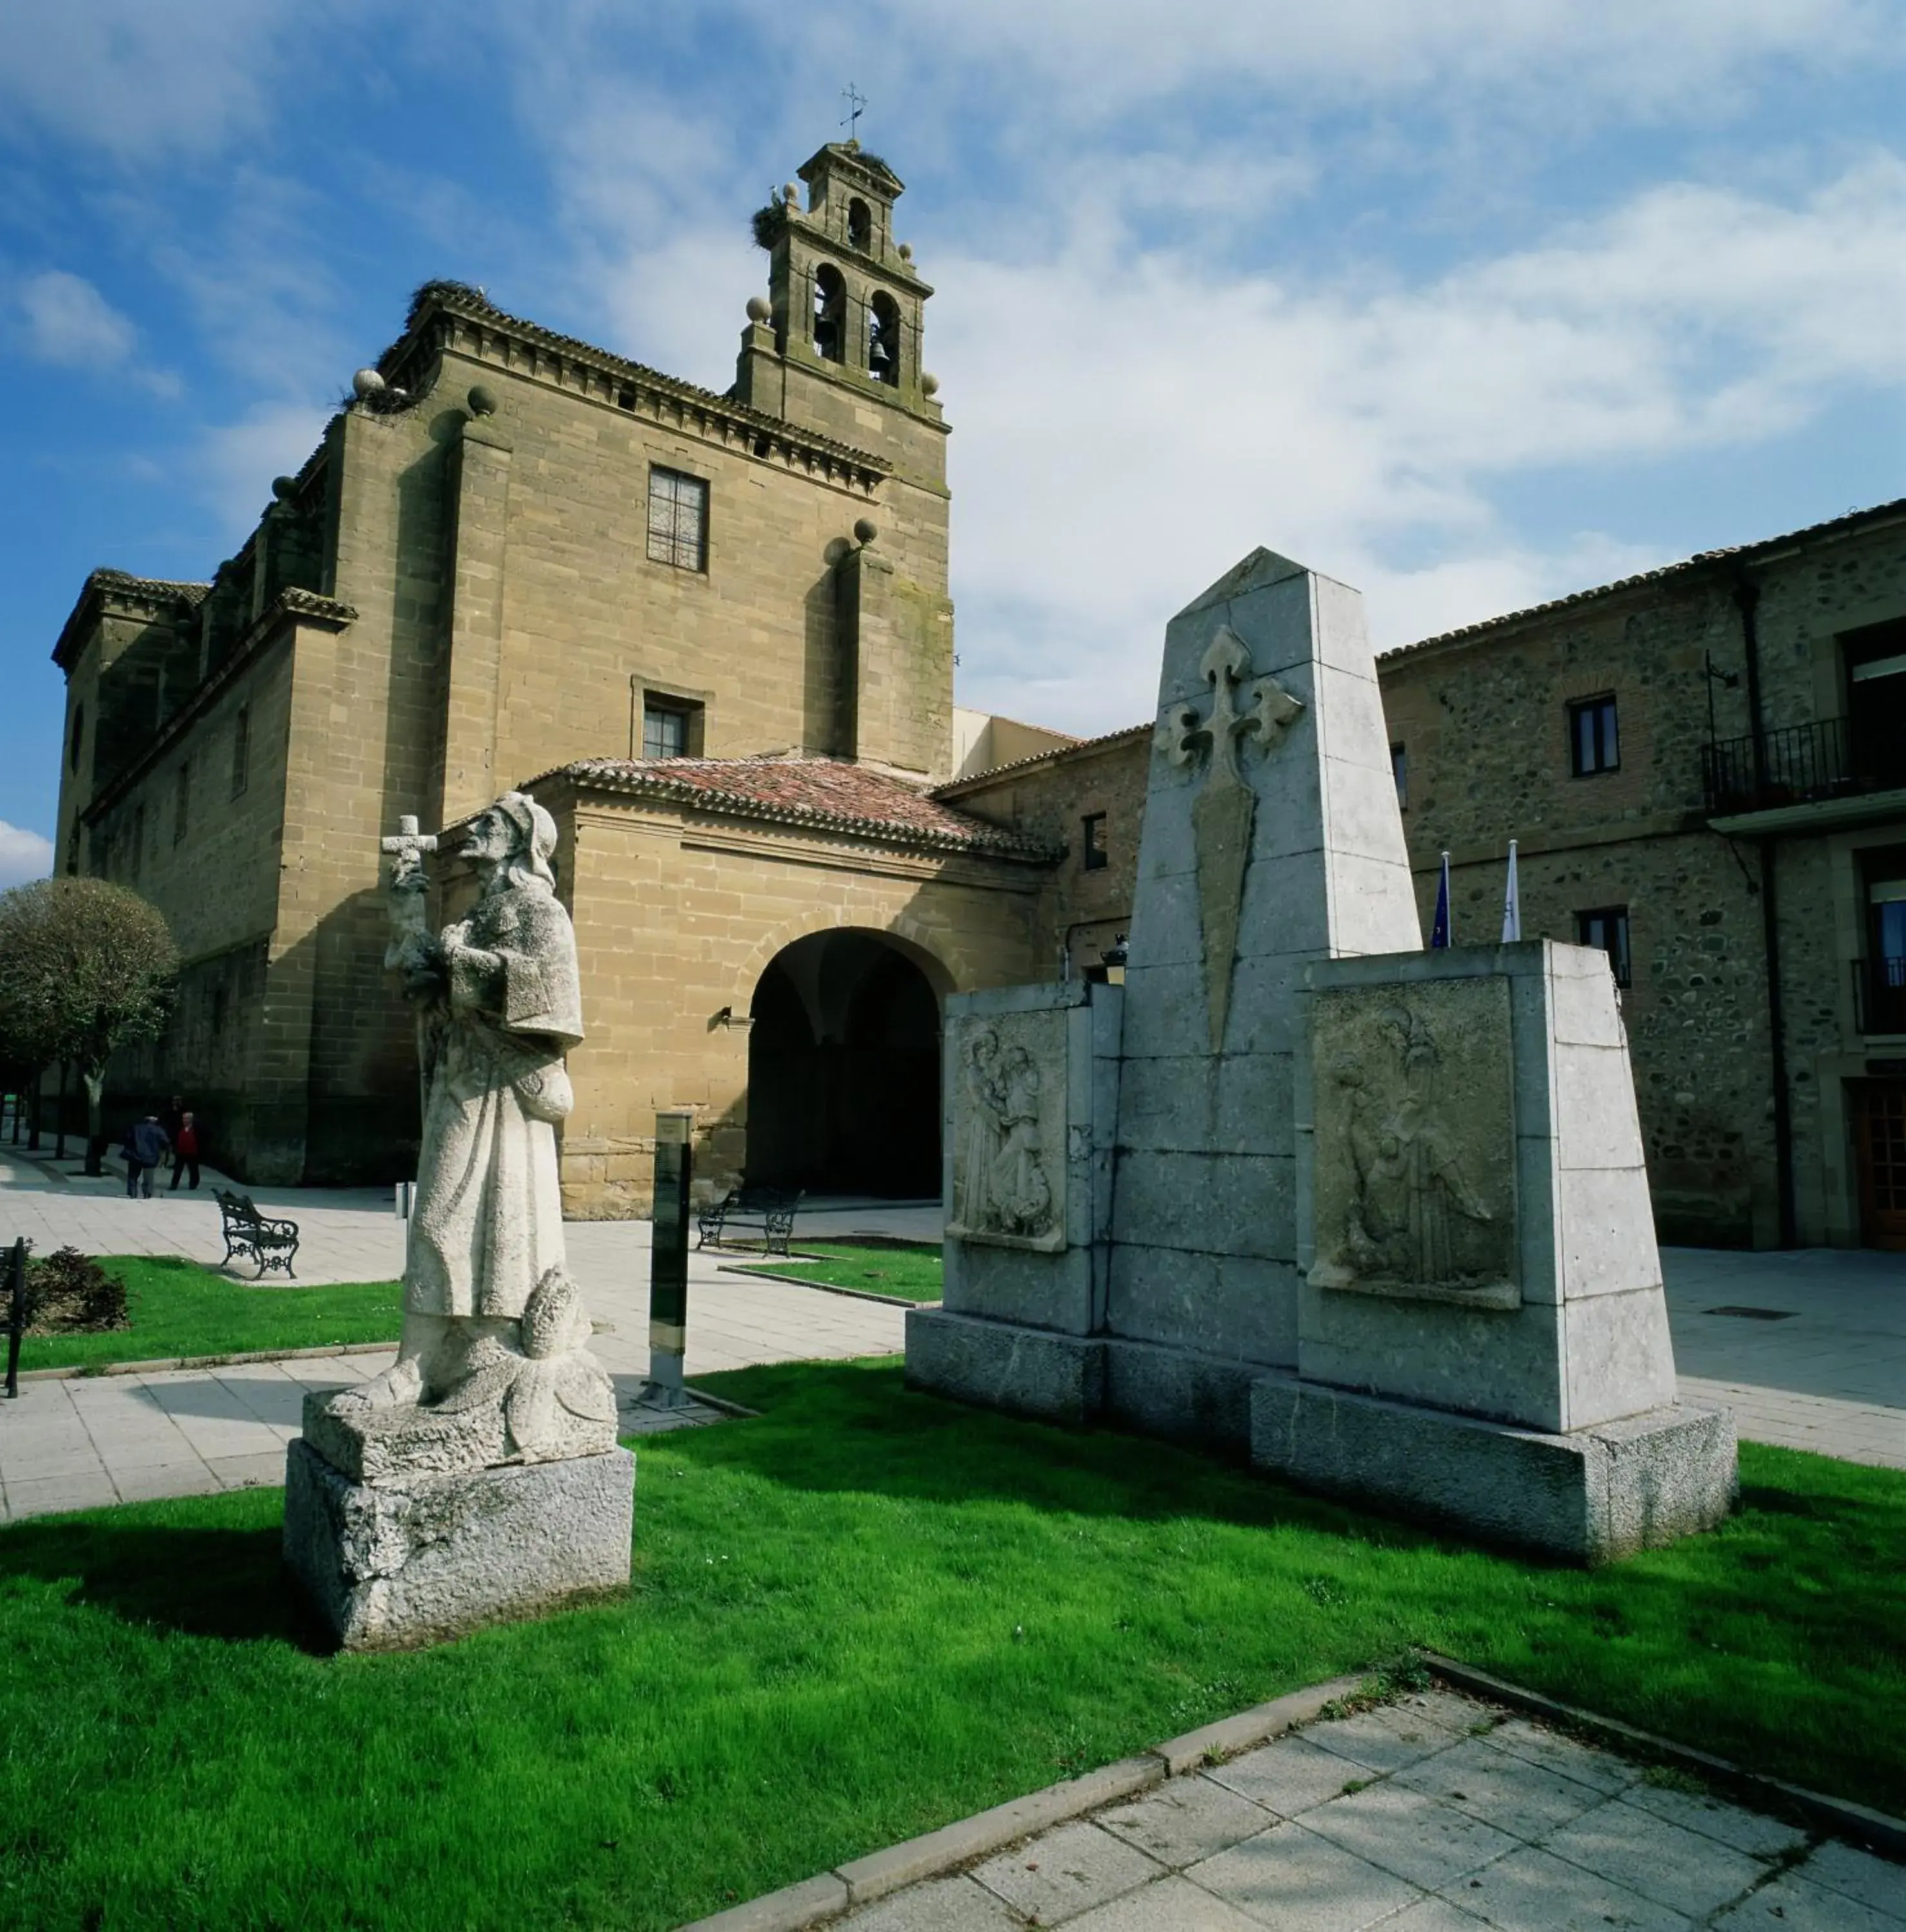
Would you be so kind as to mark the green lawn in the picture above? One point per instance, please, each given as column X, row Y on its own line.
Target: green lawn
column 864, row 1615
column 908, row 1271
column 178, row 1308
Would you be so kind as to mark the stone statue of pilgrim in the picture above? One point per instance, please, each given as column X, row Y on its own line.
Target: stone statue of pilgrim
column 492, row 1322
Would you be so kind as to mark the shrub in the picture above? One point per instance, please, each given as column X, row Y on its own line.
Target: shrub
column 69, row 1293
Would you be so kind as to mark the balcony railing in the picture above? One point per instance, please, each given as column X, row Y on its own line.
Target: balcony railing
column 1879, row 995
column 1798, row 764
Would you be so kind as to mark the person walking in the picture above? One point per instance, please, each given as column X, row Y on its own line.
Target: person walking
column 129, row 1153
column 185, row 1152
column 150, row 1142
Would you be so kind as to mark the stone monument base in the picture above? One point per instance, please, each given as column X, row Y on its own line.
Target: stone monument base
column 403, row 1563
column 1591, row 1496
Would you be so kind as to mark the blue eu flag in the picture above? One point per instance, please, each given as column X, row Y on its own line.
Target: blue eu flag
column 1440, row 931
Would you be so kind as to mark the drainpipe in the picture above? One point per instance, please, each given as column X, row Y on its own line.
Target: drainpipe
column 1747, row 599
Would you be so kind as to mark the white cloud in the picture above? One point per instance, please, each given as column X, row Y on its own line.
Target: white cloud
column 235, row 462
column 135, row 80
column 70, row 322
column 24, row 855
column 1129, row 425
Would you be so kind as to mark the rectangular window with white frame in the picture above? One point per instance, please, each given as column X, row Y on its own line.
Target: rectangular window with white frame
column 1594, row 738
column 1607, row 927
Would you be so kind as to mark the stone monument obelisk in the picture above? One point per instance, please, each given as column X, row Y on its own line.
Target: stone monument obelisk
column 1376, row 1217
column 479, row 1478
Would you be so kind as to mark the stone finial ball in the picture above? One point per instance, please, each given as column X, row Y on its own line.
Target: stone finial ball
column 284, row 488
column 758, row 309
column 906, row 251
column 790, row 194
column 866, row 530
column 367, row 382
column 482, row 401
column 929, row 383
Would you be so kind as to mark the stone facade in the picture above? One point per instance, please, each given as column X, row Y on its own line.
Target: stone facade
column 464, row 588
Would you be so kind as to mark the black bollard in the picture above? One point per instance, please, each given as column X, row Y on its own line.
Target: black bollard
column 668, row 1263
column 16, row 1314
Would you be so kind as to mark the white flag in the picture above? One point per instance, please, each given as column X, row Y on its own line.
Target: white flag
column 1512, row 904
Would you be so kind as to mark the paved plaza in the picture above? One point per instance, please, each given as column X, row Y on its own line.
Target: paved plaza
column 1819, row 1364
column 1438, row 1814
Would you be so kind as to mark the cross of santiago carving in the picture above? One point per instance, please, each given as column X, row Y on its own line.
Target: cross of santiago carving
column 1261, row 705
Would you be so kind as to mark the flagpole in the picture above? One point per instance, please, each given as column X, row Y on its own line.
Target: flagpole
column 1439, row 928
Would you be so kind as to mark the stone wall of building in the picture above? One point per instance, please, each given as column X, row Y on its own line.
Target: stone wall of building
column 677, row 915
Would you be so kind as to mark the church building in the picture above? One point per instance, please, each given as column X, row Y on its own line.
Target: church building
column 711, row 633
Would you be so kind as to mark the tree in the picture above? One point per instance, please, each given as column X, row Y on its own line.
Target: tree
column 85, row 968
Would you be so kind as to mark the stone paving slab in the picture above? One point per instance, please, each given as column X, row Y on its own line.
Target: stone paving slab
column 1498, row 1821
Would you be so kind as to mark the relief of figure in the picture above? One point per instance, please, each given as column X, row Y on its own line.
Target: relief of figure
column 1003, row 1186
column 1021, row 1195
column 494, row 1330
column 1410, row 1194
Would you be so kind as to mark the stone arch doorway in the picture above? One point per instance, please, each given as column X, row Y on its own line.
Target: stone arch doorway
column 844, row 1068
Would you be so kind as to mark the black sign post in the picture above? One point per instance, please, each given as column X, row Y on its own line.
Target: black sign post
column 668, row 1263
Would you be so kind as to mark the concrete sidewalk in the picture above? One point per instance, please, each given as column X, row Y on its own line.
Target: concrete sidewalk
column 1819, row 1364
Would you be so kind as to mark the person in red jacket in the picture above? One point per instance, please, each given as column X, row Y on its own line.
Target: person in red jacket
column 185, row 1151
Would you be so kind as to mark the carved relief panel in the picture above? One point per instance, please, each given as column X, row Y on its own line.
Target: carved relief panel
column 1414, row 1172
column 1009, row 1130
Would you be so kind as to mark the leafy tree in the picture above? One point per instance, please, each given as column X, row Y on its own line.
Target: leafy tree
column 85, row 967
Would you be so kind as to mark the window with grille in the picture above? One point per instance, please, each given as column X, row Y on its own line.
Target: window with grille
column 678, row 520
column 1594, row 743
column 665, row 731
column 1607, row 927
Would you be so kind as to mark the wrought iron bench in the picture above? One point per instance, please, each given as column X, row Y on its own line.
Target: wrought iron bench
column 271, row 1244
column 770, row 1210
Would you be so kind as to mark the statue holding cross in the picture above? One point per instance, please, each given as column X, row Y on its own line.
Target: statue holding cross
column 495, row 1334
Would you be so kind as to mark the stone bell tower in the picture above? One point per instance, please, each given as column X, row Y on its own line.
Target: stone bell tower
column 839, row 347
column 835, row 347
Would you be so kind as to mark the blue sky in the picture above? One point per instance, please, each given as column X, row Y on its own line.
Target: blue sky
column 1468, row 302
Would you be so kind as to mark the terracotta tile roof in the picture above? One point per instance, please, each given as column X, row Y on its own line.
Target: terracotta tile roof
column 828, row 794
column 1052, row 754
column 1745, row 554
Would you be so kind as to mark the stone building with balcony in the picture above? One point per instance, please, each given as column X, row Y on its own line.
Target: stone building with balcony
column 1705, row 768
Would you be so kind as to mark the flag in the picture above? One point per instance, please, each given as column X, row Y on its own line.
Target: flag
column 1440, row 931
column 1512, row 904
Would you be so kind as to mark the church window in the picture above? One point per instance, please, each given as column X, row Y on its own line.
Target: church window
column 182, row 800
column 241, row 750
column 1607, row 927
column 78, row 734
column 860, row 224
column 883, row 339
column 1400, row 772
column 1093, row 857
column 678, row 520
column 830, row 314
column 670, row 728
column 1594, row 744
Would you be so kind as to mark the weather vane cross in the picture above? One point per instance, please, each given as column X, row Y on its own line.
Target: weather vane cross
column 856, row 106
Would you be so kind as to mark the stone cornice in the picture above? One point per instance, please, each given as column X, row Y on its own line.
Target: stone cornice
column 290, row 607
column 448, row 317
column 140, row 596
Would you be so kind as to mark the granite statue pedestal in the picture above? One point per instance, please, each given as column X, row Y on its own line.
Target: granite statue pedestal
column 413, row 1559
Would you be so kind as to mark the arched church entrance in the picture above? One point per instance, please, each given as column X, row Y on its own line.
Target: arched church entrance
column 844, row 1070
